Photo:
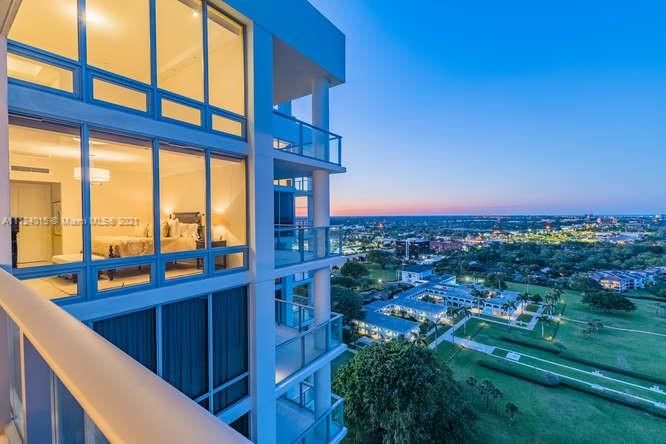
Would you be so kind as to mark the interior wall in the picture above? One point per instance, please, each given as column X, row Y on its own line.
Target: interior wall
column 228, row 199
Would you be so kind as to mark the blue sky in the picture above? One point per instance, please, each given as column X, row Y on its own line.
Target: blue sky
column 508, row 107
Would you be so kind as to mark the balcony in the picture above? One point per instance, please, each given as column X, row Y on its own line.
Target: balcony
column 63, row 382
column 295, row 245
column 297, row 137
column 298, row 423
column 298, row 347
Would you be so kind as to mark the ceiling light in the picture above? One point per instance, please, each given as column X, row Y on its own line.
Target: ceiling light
column 97, row 175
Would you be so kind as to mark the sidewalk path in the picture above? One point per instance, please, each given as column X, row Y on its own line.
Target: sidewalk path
column 618, row 328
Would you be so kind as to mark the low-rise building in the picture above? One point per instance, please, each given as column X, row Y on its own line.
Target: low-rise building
column 624, row 280
column 415, row 273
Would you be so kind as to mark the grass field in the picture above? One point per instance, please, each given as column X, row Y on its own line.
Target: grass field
column 554, row 415
column 376, row 272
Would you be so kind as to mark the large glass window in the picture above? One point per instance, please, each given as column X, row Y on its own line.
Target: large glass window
column 228, row 205
column 185, row 346
column 121, row 197
column 50, row 25
column 41, row 73
column 134, row 334
column 118, row 34
column 226, row 63
column 180, row 47
column 182, row 199
column 45, row 187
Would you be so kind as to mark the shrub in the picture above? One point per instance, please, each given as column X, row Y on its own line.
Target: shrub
column 532, row 343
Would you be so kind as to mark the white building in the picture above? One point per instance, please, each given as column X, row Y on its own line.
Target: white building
column 415, row 273
column 159, row 203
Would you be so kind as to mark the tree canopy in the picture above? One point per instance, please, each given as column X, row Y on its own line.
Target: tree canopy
column 397, row 392
column 347, row 303
column 607, row 301
column 354, row 269
column 381, row 257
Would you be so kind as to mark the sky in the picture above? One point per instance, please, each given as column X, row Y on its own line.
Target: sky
column 500, row 107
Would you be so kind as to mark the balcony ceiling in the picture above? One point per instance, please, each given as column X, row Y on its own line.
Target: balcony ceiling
column 293, row 73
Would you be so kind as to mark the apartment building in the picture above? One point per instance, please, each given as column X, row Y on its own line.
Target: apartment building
column 165, row 245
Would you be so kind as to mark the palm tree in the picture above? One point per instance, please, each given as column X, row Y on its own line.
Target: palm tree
column 543, row 320
column 523, row 298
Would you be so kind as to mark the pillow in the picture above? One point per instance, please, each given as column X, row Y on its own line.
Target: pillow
column 174, row 230
column 189, row 230
column 164, row 229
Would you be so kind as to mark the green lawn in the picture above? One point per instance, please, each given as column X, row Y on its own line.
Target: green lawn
column 553, row 415
column 386, row 275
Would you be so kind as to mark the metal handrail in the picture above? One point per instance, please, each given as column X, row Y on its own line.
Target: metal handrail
column 126, row 401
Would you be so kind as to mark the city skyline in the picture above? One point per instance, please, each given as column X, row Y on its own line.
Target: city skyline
column 457, row 112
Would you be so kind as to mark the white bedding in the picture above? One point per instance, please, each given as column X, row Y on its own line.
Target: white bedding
column 126, row 246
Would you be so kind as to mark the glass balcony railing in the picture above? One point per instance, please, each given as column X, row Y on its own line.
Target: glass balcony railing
column 295, row 245
column 301, row 424
column 293, row 316
column 301, row 138
column 296, row 353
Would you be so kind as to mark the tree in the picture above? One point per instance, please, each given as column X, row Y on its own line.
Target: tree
column 347, row 303
column 398, row 392
column 512, row 412
column 381, row 257
column 536, row 298
column 607, row 301
column 523, row 298
column 354, row 269
column 345, row 281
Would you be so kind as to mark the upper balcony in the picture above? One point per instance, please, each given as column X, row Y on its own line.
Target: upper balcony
column 62, row 382
column 297, row 137
column 296, row 245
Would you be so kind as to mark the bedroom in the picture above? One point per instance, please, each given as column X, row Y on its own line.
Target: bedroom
column 47, row 205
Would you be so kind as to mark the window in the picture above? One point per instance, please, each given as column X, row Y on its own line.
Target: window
column 226, row 63
column 133, row 333
column 118, row 37
column 45, row 194
column 228, row 199
column 180, row 47
column 41, row 73
column 62, row 285
column 182, row 199
column 230, row 356
column 57, row 31
column 120, row 95
column 185, row 346
column 234, row 393
column 178, row 111
column 226, row 125
column 123, row 277
column 121, row 197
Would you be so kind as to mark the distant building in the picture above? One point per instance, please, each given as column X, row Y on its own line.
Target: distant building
column 437, row 246
column 624, row 280
column 412, row 247
column 415, row 273
column 380, row 326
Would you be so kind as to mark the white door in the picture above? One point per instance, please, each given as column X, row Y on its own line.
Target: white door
column 32, row 200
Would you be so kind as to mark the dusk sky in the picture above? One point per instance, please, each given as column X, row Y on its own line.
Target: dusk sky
column 507, row 107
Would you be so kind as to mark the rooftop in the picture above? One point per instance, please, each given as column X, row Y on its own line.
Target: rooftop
column 393, row 323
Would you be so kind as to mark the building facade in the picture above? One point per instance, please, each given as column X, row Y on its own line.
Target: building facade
column 155, row 187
